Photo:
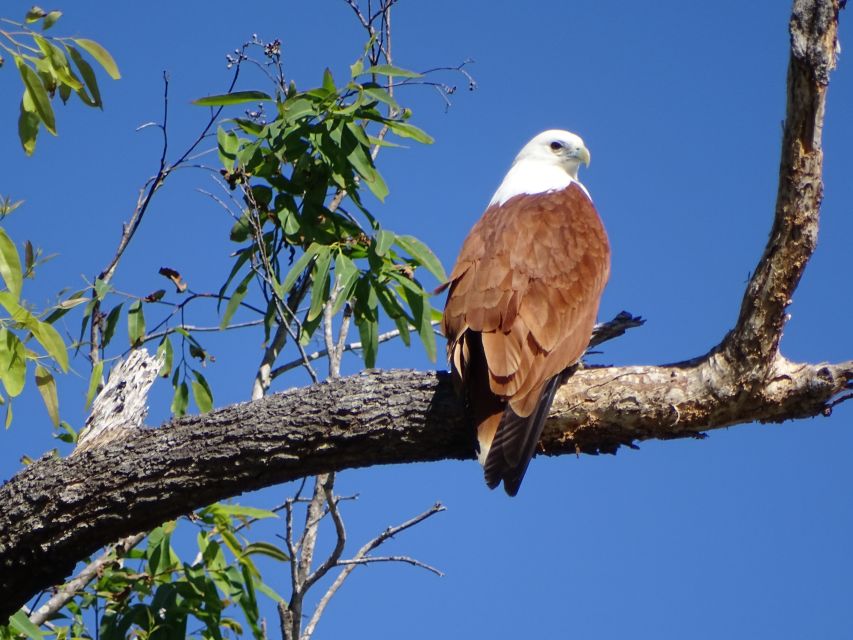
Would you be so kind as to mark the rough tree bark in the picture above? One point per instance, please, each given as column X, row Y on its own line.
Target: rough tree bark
column 56, row 512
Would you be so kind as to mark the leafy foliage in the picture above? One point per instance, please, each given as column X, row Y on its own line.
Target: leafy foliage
column 150, row 593
column 302, row 168
column 48, row 66
column 20, row 330
column 320, row 143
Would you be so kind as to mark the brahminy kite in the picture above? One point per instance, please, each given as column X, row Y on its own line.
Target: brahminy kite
column 523, row 300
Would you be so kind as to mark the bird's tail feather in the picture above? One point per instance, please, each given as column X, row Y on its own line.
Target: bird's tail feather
column 515, row 441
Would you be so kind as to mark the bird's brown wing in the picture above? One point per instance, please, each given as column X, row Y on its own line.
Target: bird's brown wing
column 522, row 303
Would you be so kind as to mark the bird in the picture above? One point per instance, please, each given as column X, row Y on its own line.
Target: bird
column 522, row 300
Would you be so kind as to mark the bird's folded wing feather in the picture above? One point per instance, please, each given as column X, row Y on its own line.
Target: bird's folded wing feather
column 528, row 278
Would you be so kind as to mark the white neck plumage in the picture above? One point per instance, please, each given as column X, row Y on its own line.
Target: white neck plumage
column 529, row 176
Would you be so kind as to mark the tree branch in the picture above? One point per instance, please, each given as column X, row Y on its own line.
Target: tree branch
column 361, row 557
column 57, row 511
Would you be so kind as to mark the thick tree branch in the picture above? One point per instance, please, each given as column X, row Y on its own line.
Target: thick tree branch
column 56, row 512
column 754, row 342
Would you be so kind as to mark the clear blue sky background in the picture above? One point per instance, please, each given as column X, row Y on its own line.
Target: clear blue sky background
column 745, row 534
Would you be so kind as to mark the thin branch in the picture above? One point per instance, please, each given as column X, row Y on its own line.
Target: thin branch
column 340, row 537
column 349, row 566
column 191, row 328
column 404, row 559
column 146, row 195
column 322, row 353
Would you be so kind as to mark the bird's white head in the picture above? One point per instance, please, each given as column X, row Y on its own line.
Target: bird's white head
column 549, row 162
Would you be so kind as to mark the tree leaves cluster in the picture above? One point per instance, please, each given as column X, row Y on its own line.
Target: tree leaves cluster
column 50, row 66
column 320, row 143
column 300, row 166
column 21, row 330
column 151, row 593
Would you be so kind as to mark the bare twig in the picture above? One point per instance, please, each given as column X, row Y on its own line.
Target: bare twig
column 191, row 328
column 340, row 536
column 146, row 194
column 322, row 353
column 404, row 559
column 350, row 565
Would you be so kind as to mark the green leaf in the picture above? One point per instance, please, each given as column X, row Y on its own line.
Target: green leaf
column 165, row 349
column 50, row 19
column 94, row 382
column 266, row 549
column 236, row 298
column 368, row 330
column 180, row 399
column 269, row 592
column 202, row 394
column 297, row 108
column 320, row 285
column 329, row 81
column 381, row 95
column 67, row 433
column 56, row 58
column 231, row 541
column 227, row 99
column 35, row 14
column 8, row 414
column 70, row 303
column 158, row 553
column 384, row 239
column 65, row 92
column 100, row 54
column 406, row 130
column 299, row 267
column 51, row 341
column 422, row 312
column 112, row 322
column 20, row 623
column 13, row 363
column 136, row 323
column 289, row 221
column 242, row 229
column 89, row 77
column 28, row 124
column 45, row 334
column 357, row 68
column 346, row 274
column 102, row 289
column 249, row 126
column 38, row 94
column 423, row 254
column 358, row 155
column 403, row 327
column 47, row 388
column 238, row 511
column 10, row 265
column 389, row 302
column 391, row 70
column 227, row 144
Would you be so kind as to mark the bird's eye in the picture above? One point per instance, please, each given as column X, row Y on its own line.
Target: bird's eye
column 556, row 146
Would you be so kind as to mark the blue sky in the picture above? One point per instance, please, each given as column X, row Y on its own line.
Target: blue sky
column 742, row 535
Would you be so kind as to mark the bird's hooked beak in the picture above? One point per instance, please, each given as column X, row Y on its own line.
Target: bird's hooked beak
column 582, row 155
